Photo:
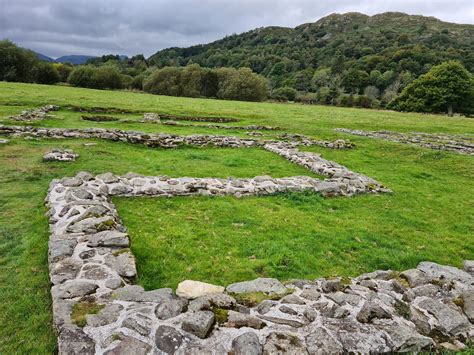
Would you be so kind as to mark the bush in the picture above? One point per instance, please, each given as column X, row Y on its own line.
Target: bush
column 126, row 81
column 241, row 84
column 164, row 81
column 309, row 98
column 46, row 73
column 107, row 77
column 137, row 82
column 284, row 94
column 82, row 76
column 209, row 83
column 64, row 71
column 191, row 80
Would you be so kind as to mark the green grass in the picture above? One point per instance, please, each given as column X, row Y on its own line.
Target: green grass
column 222, row 240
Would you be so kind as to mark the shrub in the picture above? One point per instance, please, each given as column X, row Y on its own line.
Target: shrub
column 126, row 81
column 16, row 64
column 241, row 84
column 191, row 80
column 137, row 82
column 107, row 77
column 209, row 83
column 164, row 81
column 46, row 73
column 64, row 71
column 307, row 98
column 82, row 76
column 284, row 94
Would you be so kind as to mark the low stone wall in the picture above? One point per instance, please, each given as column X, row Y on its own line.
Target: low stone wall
column 157, row 140
column 97, row 309
column 35, row 114
column 455, row 143
column 217, row 126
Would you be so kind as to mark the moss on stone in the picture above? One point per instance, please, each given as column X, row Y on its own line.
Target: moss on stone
column 81, row 309
column 221, row 314
column 251, row 299
column 402, row 309
column 395, row 275
column 121, row 251
column 459, row 301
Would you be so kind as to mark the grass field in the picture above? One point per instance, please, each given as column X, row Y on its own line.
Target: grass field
column 428, row 217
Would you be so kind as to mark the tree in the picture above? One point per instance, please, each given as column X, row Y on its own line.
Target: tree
column 241, row 84
column 284, row 93
column 190, row 80
column 164, row 81
column 64, row 69
column 16, row 64
column 82, row 76
column 447, row 87
column 107, row 77
column 46, row 73
column 354, row 80
column 209, row 83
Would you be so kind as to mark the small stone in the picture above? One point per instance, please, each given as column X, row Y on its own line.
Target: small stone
column 128, row 345
column 265, row 285
column 135, row 293
column 288, row 310
column 310, row 314
column 246, row 344
column 74, row 288
column 370, row 311
column 108, row 178
column 123, row 264
column 320, row 341
column 60, row 249
column 113, row 283
column 95, row 272
column 332, row 286
column 450, row 321
column 170, row 309
column 445, row 273
column 135, row 325
column 292, row 299
column 111, row 238
column 199, row 323
column 219, row 300
column 415, row 277
column 75, row 341
column 283, row 343
column 311, row 294
column 285, row 321
column 239, row 320
column 342, row 298
column 468, row 304
column 106, row 315
column 265, row 306
column 193, row 289
column 469, row 267
column 168, row 339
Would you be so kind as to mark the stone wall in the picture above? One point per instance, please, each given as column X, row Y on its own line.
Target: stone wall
column 454, row 143
column 97, row 309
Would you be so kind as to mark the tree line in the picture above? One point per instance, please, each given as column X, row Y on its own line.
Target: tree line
column 445, row 88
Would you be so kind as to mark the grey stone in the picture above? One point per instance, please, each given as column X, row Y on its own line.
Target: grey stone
column 107, row 178
column 311, row 294
column 113, row 283
column 247, row 344
column 310, row 314
column 370, row 311
column 320, row 341
column 83, row 194
column 65, row 269
column 92, row 225
column 60, row 249
column 292, row 299
column 129, row 346
column 106, row 315
column 72, row 182
column 135, row 293
column 109, row 239
column 415, row 277
column 342, row 298
column 123, row 264
column 195, row 349
column 171, row 308
column 199, row 323
column 220, row 300
column 334, row 311
column 168, row 339
column 95, row 272
column 428, row 290
column 87, row 254
column 287, row 310
column 449, row 320
column 443, row 272
column 84, row 175
column 74, row 288
column 285, row 321
column 140, row 327
column 265, row 285
column 239, row 320
column 265, row 306
column 283, row 343
column 469, row 267
column 406, row 339
column 74, row 341
column 468, row 304
column 332, row 286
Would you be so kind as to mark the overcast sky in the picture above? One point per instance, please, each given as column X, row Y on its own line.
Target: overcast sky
column 96, row 27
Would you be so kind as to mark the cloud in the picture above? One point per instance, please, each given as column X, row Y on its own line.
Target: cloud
column 59, row 27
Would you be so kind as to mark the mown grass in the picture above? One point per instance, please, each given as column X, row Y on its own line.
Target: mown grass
column 222, row 240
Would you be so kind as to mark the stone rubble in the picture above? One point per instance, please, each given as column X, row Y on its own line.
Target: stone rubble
column 455, row 143
column 4, row 141
column 35, row 114
column 60, row 155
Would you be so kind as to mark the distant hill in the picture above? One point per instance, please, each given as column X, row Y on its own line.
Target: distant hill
column 74, row 59
column 393, row 44
column 43, row 57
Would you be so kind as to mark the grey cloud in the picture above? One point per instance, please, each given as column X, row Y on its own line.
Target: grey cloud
column 59, row 27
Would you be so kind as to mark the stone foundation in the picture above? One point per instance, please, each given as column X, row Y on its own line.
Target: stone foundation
column 454, row 143
column 35, row 114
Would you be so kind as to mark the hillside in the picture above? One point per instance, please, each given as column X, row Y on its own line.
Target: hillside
column 387, row 47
